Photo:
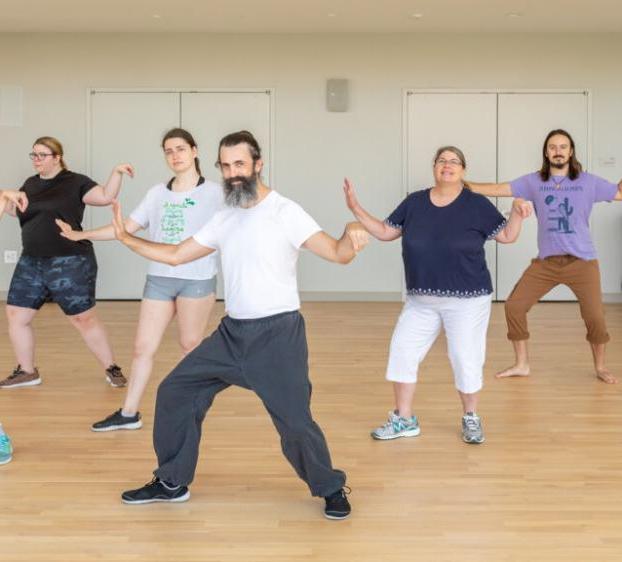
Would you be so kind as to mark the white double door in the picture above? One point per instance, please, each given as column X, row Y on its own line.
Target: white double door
column 129, row 126
column 501, row 135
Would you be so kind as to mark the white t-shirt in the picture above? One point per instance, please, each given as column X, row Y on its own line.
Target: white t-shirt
column 259, row 249
column 171, row 217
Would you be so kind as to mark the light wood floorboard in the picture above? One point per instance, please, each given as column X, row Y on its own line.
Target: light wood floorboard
column 546, row 485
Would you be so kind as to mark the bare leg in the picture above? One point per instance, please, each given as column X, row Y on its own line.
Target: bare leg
column 598, row 352
column 192, row 318
column 404, row 395
column 94, row 335
column 154, row 317
column 22, row 335
column 469, row 401
column 521, row 364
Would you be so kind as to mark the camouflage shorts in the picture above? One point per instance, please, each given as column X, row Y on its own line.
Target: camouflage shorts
column 69, row 281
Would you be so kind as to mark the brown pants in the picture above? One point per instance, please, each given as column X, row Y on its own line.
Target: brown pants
column 581, row 276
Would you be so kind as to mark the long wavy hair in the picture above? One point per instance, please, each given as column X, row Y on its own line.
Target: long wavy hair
column 574, row 166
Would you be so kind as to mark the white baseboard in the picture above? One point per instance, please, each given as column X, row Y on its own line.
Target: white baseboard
column 370, row 296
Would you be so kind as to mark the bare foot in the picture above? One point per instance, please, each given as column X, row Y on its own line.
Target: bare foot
column 514, row 371
column 605, row 376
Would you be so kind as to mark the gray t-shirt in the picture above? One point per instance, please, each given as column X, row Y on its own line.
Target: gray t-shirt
column 171, row 217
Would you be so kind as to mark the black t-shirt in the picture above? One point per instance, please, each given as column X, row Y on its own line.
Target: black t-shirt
column 443, row 247
column 59, row 197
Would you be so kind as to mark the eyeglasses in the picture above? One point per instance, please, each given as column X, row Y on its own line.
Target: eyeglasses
column 40, row 155
column 452, row 162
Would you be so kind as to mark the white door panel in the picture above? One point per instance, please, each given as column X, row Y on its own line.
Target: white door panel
column 127, row 127
column 465, row 120
column 524, row 121
column 212, row 115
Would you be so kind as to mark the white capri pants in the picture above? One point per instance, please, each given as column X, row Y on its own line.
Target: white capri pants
column 465, row 321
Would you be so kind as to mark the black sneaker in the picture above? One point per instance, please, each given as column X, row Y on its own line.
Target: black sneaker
column 117, row 420
column 337, row 505
column 156, row 491
column 115, row 377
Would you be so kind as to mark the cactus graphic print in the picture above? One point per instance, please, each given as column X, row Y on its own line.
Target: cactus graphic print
column 563, row 207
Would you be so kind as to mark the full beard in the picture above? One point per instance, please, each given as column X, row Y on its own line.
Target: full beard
column 559, row 164
column 240, row 191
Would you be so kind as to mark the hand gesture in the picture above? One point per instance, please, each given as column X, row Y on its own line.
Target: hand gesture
column 18, row 198
column 67, row 232
column 358, row 235
column 351, row 200
column 523, row 208
column 125, row 169
column 117, row 221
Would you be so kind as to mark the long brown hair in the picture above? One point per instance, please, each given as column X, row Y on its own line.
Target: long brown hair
column 574, row 166
column 55, row 146
column 179, row 133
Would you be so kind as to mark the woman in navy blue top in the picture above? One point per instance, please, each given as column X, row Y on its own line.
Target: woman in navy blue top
column 443, row 230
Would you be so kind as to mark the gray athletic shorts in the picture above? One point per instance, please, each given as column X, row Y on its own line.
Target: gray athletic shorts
column 169, row 288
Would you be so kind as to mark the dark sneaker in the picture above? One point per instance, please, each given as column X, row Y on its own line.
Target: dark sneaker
column 117, row 420
column 337, row 504
column 156, row 491
column 115, row 377
column 19, row 377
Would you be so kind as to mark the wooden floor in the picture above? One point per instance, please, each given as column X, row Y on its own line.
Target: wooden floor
column 546, row 485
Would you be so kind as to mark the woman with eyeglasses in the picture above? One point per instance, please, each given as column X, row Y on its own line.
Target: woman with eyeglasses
column 171, row 212
column 54, row 268
column 443, row 230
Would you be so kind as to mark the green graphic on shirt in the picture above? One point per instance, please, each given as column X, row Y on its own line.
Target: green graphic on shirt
column 173, row 221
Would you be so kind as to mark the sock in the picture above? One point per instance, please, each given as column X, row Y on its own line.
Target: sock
column 127, row 415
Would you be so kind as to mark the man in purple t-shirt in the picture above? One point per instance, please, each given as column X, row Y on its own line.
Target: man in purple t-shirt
column 563, row 196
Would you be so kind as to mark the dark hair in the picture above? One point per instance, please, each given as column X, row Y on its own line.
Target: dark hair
column 574, row 166
column 55, row 146
column 179, row 133
column 241, row 137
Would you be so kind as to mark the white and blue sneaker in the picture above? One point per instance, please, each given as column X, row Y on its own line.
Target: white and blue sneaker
column 397, row 426
column 472, row 431
column 6, row 449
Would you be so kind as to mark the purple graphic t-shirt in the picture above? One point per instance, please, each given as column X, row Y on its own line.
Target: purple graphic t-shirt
column 563, row 208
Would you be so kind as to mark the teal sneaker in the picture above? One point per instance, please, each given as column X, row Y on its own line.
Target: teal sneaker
column 6, row 449
column 397, row 426
column 472, row 431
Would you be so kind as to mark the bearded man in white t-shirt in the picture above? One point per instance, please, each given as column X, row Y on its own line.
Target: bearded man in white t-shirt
column 261, row 343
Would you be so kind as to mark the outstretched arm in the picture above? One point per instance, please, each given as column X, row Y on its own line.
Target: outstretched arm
column 377, row 228
column 521, row 209
column 344, row 250
column 101, row 196
column 12, row 199
column 171, row 254
column 101, row 233
column 491, row 189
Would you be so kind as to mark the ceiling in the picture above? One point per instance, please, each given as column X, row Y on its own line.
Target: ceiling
column 317, row 16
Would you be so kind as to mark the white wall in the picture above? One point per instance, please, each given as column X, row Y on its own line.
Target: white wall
column 314, row 149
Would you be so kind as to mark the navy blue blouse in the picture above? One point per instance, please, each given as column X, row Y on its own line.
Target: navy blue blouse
column 443, row 247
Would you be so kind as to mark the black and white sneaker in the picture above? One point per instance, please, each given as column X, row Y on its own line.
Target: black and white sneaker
column 337, row 504
column 156, row 491
column 117, row 420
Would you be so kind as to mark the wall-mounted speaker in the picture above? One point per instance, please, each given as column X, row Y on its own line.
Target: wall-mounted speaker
column 337, row 94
